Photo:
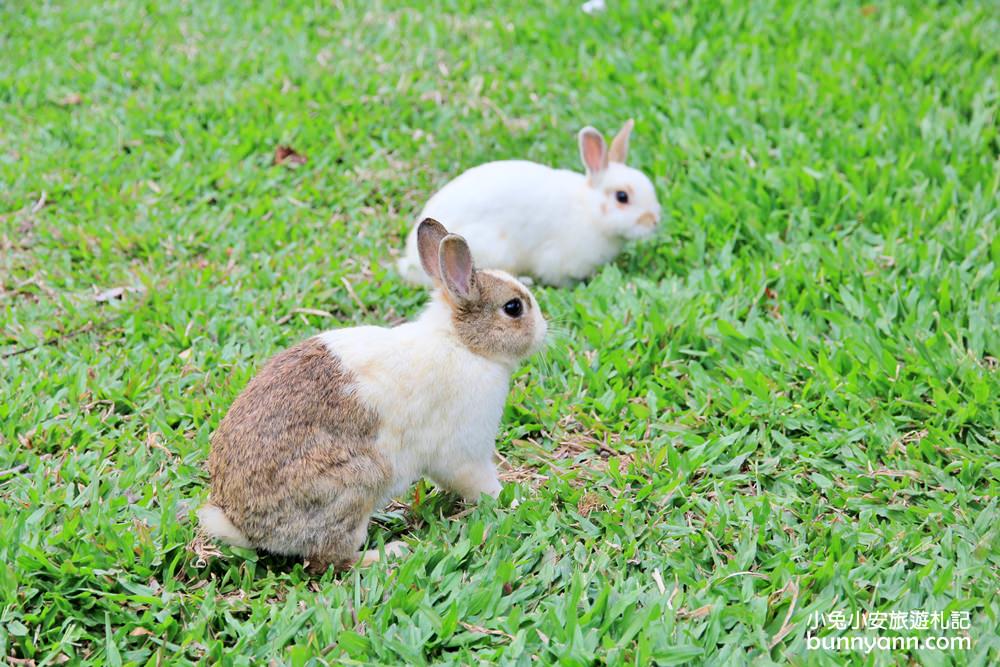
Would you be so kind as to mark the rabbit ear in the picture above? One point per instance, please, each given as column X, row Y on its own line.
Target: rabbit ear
column 457, row 272
column 619, row 145
column 429, row 235
column 593, row 151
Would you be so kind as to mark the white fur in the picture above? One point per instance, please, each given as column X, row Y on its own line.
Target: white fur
column 528, row 219
column 439, row 403
column 217, row 524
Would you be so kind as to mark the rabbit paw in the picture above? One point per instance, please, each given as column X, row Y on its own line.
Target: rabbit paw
column 393, row 550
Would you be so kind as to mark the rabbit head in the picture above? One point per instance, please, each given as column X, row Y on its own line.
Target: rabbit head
column 622, row 199
column 492, row 313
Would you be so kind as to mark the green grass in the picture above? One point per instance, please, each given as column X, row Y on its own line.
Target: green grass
column 786, row 403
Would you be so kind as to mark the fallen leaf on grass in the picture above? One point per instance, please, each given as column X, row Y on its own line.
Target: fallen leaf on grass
column 109, row 294
column 71, row 99
column 114, row 293
column 28, row 662
column 139, row 632
column 588, row 503
column 288, row 156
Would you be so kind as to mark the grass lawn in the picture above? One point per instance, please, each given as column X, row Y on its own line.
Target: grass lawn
column 785, row 404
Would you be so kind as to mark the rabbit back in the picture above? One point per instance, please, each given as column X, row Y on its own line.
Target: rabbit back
column 294, row 465
column 521, row 217
column 508, row 211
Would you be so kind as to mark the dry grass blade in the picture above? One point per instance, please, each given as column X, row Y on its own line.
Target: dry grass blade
column 478, row 629
column 51, row 341
column 700, row 612
column 303, row 311
column 658, row 578
column 13, row 471
column 786, row 625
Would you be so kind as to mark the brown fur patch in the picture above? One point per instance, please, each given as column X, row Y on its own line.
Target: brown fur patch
column 293, row 464
column 485, row 329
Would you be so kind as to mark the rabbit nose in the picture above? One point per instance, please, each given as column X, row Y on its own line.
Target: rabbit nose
column 649, row 219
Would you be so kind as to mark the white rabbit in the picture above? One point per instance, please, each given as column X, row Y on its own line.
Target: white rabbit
column 553, row 225
column 333, row 427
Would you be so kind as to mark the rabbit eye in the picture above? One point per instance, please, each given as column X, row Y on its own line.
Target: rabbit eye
column 622, row 197
column 513, row 308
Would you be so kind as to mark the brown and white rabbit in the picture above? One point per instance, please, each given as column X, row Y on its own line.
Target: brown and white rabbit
column 332, row 428
column 554, row 225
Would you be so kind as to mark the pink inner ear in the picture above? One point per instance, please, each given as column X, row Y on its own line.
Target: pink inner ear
column 593, row 152
column 619, row 145
column 456, row 266
column 460, row 274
